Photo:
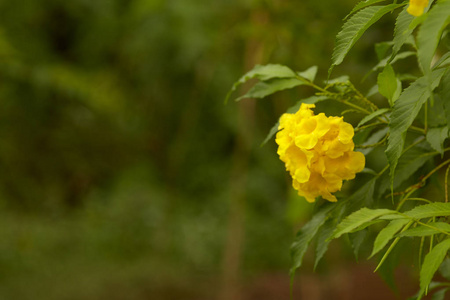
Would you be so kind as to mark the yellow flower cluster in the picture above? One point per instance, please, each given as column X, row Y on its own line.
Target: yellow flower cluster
column 318, row 152
column 416, row 7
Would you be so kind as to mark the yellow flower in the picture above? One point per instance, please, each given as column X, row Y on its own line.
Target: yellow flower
column 416, row 7
column 318, row 152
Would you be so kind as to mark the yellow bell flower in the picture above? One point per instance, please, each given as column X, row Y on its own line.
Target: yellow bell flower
column 318, row 152
column 416, row 7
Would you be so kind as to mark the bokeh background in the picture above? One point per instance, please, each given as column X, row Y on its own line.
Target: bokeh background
column 124, row 175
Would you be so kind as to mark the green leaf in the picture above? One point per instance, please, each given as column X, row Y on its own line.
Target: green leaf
column 432, row 286
column 305, row 235
column 323, row 240
column 401, row 31
column 374, row 138
column 265, row 88
column 439, row 295
column 445, row 95
column 309, row 74
column 408, row 164
column 403, row 114
column 381, row 49
column 445, row 269
column 418, row 20
column 384, row 62
column 436, row 209
column 422, row 230
column 406, row 77
column 361, row 5
column 436, row 111
column 365, row 225
column 430, row 32
column 357, row 239
column 362, row 197
column 386, row 234
column 436, row 138
column 432, row 262
column 443, row 62
column 372, row 116
column 263, row 73
column 293, row 109
column 355, row 27
column 388, row 85
column 359, row 218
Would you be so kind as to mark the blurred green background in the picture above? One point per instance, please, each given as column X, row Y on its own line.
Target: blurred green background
column 123, row 174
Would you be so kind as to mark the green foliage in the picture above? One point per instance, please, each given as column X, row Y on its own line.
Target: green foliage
column 432, row 262
column 387, row 233
column 304, row 237
column 265, row 73
column 372, row 116
column 357, row 219
column 355, row 27
column 402, row 32
column 431, row 31
column 404, row 112
column 389, row 85
column 429, row 229
column 436, row 138
column 406, row 117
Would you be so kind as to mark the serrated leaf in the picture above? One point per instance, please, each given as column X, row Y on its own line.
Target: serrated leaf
column 359, row 218
column 388, row 84
column 422, row 230
column 432, row 262
column 291, row 110
column 357, row 239
column 445, row 95
column 309, row 74
column 362, row 197
column 404, row 112
column 372, row 116
column 387, row 269
column 430, row 33
column 263, row 73
column 436, row 112
column 361, row 5
column 323, row 240
column 365, row 225
column 436, row 209
column 355, row 27
column 265, row 88
column 387, row 233
column 392, row 217
column 436, row 138
column 408, row 164
column 401, row 31
column 305, row 235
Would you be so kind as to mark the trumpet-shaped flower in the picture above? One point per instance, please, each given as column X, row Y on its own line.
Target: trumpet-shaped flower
column 318, row 152
column 416, row 7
